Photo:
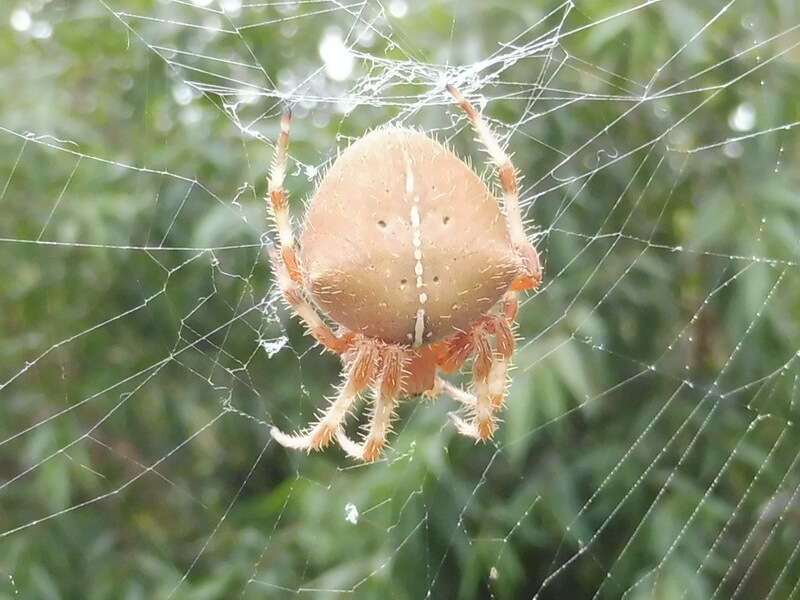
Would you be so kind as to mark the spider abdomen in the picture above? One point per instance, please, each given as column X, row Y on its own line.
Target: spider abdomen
column 403, row 242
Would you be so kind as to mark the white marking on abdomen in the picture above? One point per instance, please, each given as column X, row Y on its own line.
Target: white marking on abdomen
column 416, row 240
column 419, row 270
column 419, row 327
column 415, row 217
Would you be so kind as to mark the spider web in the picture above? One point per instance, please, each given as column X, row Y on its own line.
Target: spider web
column 648, row 447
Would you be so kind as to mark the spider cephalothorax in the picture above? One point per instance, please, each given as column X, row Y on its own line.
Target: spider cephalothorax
column 407, row 251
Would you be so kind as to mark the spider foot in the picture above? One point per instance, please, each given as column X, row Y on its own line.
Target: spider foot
column 486, row 428
column 315, row 439
column 480, row 430
column 321, row 436
column 369, row 451
column 373, row 448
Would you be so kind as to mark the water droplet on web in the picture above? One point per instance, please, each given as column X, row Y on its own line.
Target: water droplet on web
column 493, row 573
column 778, row 161
column 351, row 513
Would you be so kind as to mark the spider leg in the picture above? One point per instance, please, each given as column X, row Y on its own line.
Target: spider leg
column 469, row 401
column 278, row 205
column 489, row 370
column 509, row 183
column 485, row 369
column 455, row 392
column 387, row 389
column 482, row 406
column 455, row 350
column 491, row 389
column 295, row 298
column 285, row 261
column 359, row 373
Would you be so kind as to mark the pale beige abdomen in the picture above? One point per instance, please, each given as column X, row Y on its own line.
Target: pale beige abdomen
column 411, row 247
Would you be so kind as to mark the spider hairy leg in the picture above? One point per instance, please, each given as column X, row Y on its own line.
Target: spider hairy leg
column 279, row 201
column 495, row 383
column 360, row 373
column 387, row 389
column 476, row 343
column 483, row 423
column 510, row 307
column 509, row 183
column 504, row 337
column 293, row 294
column 455, row 392
column 285, row 262
column 486, row 370
column 483, row 404
column 456, row 350
column 468, row 400
column 489, row 371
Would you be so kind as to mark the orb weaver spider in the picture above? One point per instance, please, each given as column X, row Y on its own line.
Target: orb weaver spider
column 407, row 251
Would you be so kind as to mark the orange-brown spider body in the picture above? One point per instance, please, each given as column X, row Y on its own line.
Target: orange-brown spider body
column 405, row 249
column 403, row 242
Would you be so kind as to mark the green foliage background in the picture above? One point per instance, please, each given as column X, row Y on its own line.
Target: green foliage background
column 649, row 431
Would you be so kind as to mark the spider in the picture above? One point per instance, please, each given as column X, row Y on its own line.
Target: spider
column 407, row 251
